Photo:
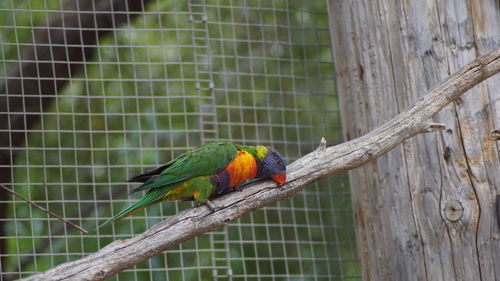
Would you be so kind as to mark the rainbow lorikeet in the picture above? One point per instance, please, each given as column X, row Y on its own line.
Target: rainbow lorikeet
column 205, row 172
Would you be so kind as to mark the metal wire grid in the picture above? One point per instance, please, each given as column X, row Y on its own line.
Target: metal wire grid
column 182, row 74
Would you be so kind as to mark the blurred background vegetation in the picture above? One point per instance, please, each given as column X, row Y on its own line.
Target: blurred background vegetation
column 181, row 74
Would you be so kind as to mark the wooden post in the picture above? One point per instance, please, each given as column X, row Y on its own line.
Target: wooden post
column 425, row 210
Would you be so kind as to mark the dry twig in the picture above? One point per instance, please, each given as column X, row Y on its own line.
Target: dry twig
column 42, row 208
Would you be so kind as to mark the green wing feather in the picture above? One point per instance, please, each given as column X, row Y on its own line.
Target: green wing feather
column 203, row 160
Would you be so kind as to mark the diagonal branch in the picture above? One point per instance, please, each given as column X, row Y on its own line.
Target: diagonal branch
column 49, row 212
column 321, row 163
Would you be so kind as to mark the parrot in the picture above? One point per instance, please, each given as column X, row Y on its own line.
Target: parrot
column 205, row 172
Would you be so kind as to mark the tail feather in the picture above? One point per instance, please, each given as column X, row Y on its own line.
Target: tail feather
column 124, row 213
column 148, row 199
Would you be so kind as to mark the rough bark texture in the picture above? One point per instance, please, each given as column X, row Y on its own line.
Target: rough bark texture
column 424, row 211
column 46, row 66
column 323, row 162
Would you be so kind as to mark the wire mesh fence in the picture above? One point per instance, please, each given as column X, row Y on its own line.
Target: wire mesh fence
column 171, row 76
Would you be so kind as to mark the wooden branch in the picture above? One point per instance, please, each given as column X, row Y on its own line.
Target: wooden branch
column 321, row 163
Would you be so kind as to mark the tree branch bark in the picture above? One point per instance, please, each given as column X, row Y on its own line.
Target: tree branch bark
column 321, row 163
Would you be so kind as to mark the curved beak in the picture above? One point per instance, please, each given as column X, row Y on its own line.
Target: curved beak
column 280, row 179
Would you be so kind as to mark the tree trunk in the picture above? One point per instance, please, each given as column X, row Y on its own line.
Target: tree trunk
column 425, row 210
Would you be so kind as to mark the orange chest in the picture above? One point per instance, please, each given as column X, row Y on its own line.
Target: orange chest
column 241, row 168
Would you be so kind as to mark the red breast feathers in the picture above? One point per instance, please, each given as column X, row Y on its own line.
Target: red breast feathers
column 243, row 167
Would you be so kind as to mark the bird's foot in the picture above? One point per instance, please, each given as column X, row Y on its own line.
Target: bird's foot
column 209, row 205
column 238, row 188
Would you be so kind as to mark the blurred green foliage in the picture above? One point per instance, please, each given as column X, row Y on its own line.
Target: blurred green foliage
column 182, row 74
